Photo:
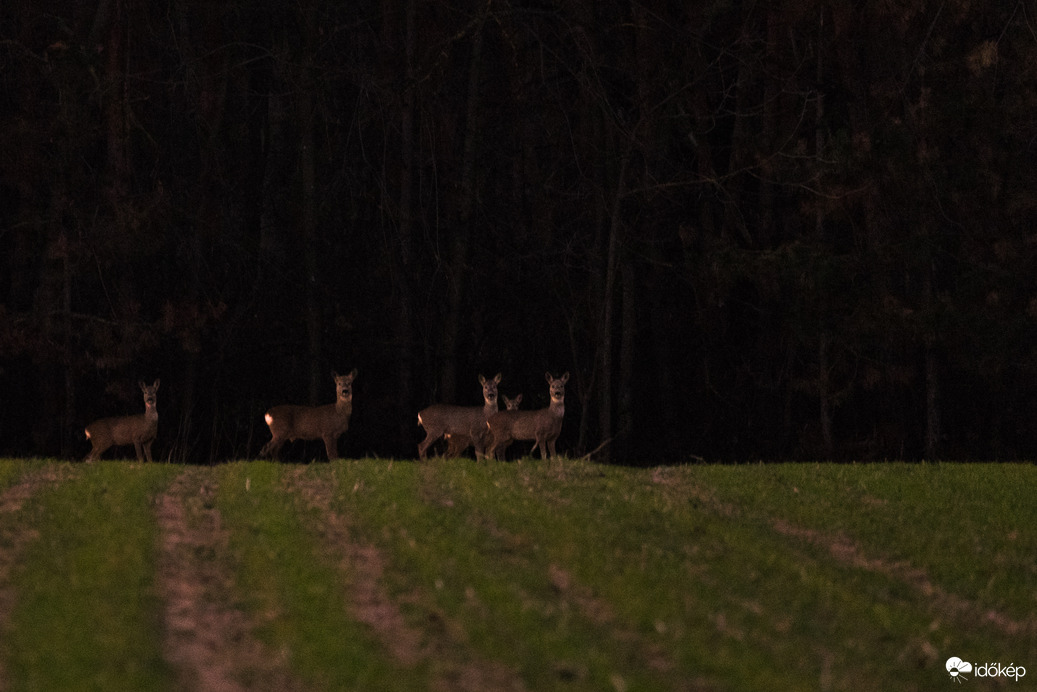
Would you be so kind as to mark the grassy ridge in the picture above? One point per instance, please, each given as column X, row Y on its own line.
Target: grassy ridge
column 694, row 574
column 967, row 525
column 86, row 614
column 296, row 594
column 471, row 569
column 563, row 576
column 960, row 538
column 10, row 470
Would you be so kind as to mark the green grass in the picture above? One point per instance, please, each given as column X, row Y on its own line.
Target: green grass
column 572, row 576
column 968, row 525
column 465, row 566
column 691, row 564
column 970, row 528
column 286, row 584
column 86, row 612
column 11, row 470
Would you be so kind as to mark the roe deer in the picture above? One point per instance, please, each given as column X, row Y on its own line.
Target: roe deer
column 139, row 430
column 289, row 422
column 457, row 443
column 543, row 425
column 443, row 419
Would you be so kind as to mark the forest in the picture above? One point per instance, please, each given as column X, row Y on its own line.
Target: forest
column 800, row 230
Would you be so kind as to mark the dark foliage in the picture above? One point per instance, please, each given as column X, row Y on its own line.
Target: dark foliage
column 803, row 231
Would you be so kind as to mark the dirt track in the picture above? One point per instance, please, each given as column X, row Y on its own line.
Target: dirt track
column 211, row 642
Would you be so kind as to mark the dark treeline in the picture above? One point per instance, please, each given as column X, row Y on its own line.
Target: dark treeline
column 749, row 230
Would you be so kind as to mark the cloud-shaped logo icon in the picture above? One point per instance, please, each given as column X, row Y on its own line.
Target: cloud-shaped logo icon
column 956, row 667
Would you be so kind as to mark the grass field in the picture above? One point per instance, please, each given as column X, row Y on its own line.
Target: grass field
column 451, row 575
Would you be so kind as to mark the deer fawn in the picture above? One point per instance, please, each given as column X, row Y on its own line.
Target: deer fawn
column 137, row 430
column 470, row 421
column 290, row 423
column 543, row 425
column 455, row 444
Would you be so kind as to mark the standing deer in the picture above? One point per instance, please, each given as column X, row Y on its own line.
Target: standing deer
column 470, row 421
column 139, row 430
column 543, row 425
column 289, row 422
column 457, row 443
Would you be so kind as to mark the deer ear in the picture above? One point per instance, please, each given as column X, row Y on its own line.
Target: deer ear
column 157, row 382
column 564, row 378
column 352, row 374
column 497, row 378
column 518, row 399
column 482, row 380
column 547, row 376
column 142, row 385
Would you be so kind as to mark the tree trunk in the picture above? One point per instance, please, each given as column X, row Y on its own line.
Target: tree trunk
column 115, row 106
column 824, row 333
column 68, row 411
column 824, row 392
column 627, row 346
column 463, row 228
column 308, row 216
column 405, row 229
column 607, row 338
column 932, row 375
column 51, row 316
column 932, row 404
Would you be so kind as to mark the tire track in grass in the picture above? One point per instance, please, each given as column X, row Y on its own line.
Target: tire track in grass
column 522, row 537
column 363, row 566
column 209, row 643
column 601, row 613
column 847, row 552
column 570, row 595
column 14, row 538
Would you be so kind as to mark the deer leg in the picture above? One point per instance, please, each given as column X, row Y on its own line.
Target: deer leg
column 147, row 450
column 494, row 449
column 542, row 443
column 480, row 437
column 456, row 444
column 271, row 448
column 430, row 437
column 331, row 447
column 500, row 442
